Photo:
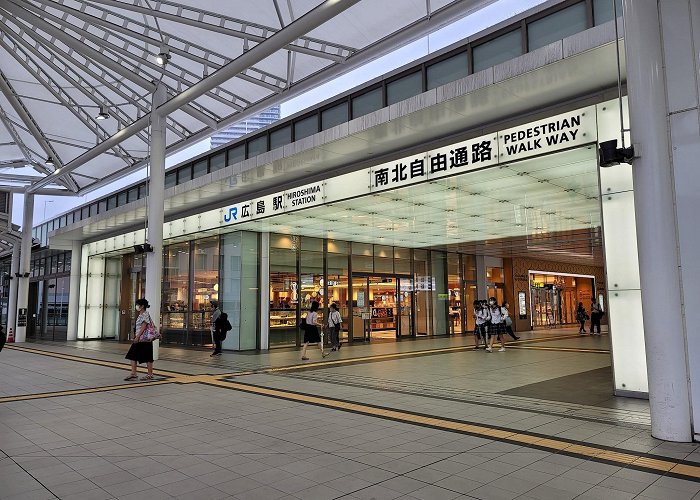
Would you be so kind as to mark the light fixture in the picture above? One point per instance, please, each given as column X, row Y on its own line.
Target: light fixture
column 164, row 56
column 103, row 114
column 49, row 162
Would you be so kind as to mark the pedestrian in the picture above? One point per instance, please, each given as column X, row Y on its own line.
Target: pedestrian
column 507, row 321
column 221, row 326
column 581, row 317
column 481, row 316
column 496, row 327
column 596, row 315
column 215, row 314
column 334, row 322
column 311, row 331
column 141, row 350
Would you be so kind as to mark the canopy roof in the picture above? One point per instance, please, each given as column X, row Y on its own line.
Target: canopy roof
column 65, row 62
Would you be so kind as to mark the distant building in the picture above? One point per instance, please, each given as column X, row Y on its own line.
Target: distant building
column 245, row 127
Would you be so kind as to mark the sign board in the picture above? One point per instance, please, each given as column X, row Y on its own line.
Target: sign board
column 522, row 306
column 360, row 298
column 21, row 317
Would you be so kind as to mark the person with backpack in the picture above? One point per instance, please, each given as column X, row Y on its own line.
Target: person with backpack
column 497, row 327
column 481, row 317
column 581, row 317
column 215, row 313
column 334, row 322
column 596, row 315
column 221, row 326
column 312, row 334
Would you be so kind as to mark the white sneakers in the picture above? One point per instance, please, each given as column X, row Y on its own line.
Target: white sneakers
column 502, row 349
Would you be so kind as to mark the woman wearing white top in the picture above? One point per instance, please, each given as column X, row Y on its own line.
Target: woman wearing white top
column 311, row 332
column 497, row 328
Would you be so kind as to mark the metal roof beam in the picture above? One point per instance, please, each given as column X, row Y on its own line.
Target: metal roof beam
column 282, row 38
column 35, row 20
column 193, row 17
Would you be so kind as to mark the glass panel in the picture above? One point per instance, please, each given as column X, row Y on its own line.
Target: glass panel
column 84, row 214
column 257, row 146
column 498, row 50
column 337, row 283
column 280, row 137
column 175, row 295
column 284, row 241
column 404, row 87
column 217, row 162
column 111, row 202
column 101, row 208
column 423, row 286
column 603, row 11
column 205, row 288
column 469, row 272
column 184, row 174
column 133, row 194
column 305, row 127
column 454, row 286
column 367, row 102
column 170, row 179
column 448, row 70
column 402, row 263
column 283, row 291
column 93, row 211
column 143, row 190
column 383, row 259
column 337, row 246
column 200, row 168
column 236, row 154
column 441, row 293
column 556, row 26
column 334, row 116
column 471, row 296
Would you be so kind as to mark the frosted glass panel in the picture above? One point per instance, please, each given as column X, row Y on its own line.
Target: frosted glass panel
column 556, row 26
column 334, row 116
column 627, row 338
column 620, row 241
column 603, row 11
column 367, row 102
column 498, row 50
column 404, row 87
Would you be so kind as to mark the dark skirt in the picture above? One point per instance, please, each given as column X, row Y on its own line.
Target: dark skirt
column 497, row 329
column 312, row 335
column 141, row 352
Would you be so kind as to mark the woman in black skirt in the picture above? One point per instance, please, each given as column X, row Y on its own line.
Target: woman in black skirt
column 311, row 332
column 141, row 351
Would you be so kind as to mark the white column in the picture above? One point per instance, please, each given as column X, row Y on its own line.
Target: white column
column 24, row 264
column 12, row 299
column 155, row 213
column 264, row 287
column 657, row 236
column 74, row 302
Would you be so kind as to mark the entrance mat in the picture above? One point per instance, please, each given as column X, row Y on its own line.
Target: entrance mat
column 592, row 388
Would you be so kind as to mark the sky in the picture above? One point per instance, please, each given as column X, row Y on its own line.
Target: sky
column 47, row 207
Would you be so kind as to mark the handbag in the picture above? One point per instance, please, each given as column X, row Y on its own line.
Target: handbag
column 509, row 322
column 150, row 333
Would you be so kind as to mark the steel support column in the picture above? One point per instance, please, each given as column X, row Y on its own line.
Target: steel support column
column 657, row 232
column 12, row 299
column 74, row 290
column 24, row 266
column 155, row 206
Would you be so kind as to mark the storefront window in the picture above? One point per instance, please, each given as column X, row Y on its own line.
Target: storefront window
column 423, row 285
column 337, row 281
column 362, row 258
column 311, row 284
column 383, row 259
column 454, row 284
column 284, row 291
column 440, row 294
column 205, row 288
column 175, row 294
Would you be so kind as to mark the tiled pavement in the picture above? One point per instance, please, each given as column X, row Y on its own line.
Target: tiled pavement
column 193, row 440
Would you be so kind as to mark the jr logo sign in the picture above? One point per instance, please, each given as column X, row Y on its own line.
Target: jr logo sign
column 231, row 215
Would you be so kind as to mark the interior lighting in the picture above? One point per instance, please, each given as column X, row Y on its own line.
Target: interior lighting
column 164, row 56
column 103, row 114
column 49, row 162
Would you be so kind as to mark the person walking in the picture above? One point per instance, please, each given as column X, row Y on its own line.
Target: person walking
column 141, row 350
column 215, row 314
column 221, row 326
column 596, row 315
column 481, row 316
column 508, row 321
column 311, row 332
column 497, row 326
column 581, row 317
column 334, row 322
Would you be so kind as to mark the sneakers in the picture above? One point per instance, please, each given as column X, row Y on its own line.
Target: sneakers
column 502, row 349
column 488, row 349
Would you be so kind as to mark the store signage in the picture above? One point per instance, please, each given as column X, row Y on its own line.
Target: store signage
column 522, row 308
column 545, row 136
column 21, row 317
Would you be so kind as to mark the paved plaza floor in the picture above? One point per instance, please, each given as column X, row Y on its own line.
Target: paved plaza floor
column 426, row 419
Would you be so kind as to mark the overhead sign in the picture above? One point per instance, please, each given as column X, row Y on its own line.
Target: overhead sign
column 544, row 136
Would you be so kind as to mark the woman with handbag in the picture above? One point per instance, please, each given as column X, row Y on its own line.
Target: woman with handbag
column 141, row 350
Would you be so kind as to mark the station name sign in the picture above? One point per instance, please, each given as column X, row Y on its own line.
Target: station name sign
column 552, row 134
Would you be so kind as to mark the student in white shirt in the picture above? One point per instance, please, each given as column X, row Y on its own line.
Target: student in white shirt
column 334, row 322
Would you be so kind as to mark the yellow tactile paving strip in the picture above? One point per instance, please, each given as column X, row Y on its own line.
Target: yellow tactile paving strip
column 638, row 461
column 657, row 465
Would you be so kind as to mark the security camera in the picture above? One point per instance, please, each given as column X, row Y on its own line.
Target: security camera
column 609, row 154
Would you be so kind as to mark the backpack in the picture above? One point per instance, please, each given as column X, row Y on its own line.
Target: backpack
column 228, row 326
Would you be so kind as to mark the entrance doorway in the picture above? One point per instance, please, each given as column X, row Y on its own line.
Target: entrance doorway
column 382, row 307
